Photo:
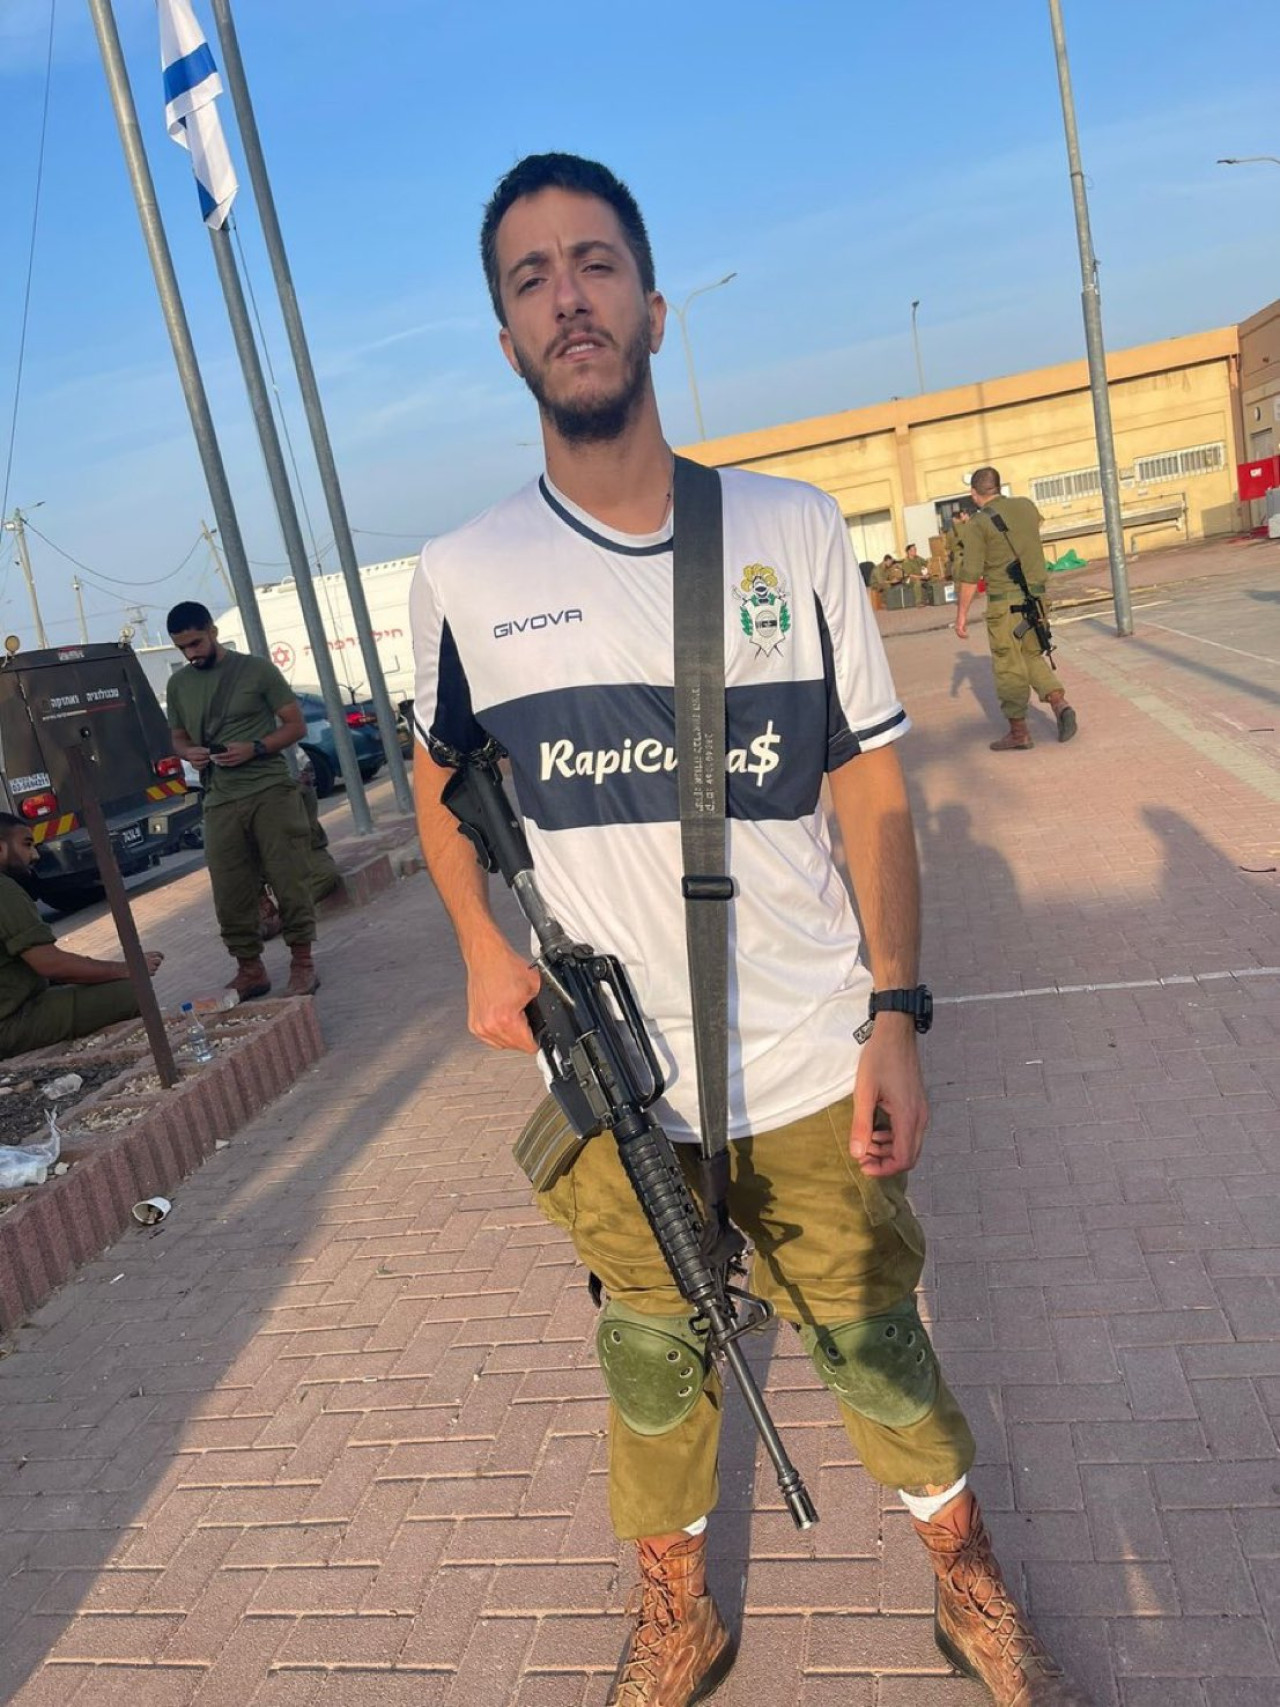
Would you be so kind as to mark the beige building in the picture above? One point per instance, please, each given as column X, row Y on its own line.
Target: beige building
column 1260, row 391
column 897, row 469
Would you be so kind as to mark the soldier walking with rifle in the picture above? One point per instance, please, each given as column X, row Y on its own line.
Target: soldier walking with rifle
column 1001, row 545
column 672, row 695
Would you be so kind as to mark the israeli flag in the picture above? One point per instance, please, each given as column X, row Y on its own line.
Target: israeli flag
column 191, row 83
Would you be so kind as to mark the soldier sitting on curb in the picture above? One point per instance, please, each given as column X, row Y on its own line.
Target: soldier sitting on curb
column 48, row 995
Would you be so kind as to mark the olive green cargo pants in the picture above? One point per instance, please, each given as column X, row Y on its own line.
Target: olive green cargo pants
column 66, row 1011
column 264, row 835
column 325, row 876
column 1019, row 665
column 831, row 1246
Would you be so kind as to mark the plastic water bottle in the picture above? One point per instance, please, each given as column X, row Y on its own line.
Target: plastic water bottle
column 198, row 1045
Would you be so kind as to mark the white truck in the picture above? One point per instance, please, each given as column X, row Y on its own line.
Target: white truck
column 386, row 590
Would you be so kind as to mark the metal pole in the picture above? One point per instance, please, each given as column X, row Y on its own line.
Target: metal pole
column 218, row 564
column 915, row 339
column 175, row 317
column 693, row 378
column 233, row 69
column 286, row 512
column 77, row 590
column 78, row 764
column 20, row 536
column 1092, row 302
column 680, row 314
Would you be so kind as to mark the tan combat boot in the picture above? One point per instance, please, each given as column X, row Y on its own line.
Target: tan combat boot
column 304, row 980
column 1018, row 740
column 679, row 1651
column 250, row 980
column 978, row 1626
column 1066, row 717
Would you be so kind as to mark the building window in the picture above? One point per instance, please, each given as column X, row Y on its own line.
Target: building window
column 1062, row 488
column 1177, row 464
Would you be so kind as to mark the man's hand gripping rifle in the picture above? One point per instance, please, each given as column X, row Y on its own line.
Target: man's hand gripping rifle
column 605, row 1076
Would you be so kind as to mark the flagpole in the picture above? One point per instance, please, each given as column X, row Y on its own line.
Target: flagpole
column 286, row 511
column 175, row 317
column 233, row 67
column 1091, row 304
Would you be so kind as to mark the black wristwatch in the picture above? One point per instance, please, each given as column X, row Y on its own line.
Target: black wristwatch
column 918, row 1003
column 261, row 750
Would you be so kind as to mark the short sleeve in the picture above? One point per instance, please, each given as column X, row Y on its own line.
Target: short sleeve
column 443, row 719
column 972, row 554
column 173, row 710
column 863, row 708
column 21, row 926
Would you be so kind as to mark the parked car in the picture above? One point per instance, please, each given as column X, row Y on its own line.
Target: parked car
column 319, row 748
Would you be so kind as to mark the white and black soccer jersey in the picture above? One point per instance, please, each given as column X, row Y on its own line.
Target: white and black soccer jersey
column 538, row 626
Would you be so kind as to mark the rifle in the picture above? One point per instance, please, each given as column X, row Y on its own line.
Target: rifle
column 1035, row 618
column 605, row 1076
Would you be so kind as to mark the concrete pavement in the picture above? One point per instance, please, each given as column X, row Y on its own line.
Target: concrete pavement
column 333, row 1433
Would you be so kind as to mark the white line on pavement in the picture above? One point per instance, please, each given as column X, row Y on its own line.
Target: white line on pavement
column 1128, row 984
column 1092, row 615
column 1200, row 640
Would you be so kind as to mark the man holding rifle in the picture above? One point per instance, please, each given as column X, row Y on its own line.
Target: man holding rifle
column 546, row 626
column 1001, row 545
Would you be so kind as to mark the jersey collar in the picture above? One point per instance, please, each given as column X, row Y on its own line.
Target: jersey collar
column 625, row 544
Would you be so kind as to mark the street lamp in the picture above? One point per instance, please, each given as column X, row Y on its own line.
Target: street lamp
column 915, row 339
column 680, row 313
column 1248, row 159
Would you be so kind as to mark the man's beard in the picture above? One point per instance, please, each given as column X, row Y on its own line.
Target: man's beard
column 599, row 419
column 207, row 662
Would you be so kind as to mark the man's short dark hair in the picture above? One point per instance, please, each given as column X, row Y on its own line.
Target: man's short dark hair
column 187, row 615
column 985, row 480
column 8, row 824
column 537, row 172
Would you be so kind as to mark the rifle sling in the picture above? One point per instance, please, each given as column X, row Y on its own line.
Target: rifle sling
column 1014, row 568
column 698, row 615
column 216, row 711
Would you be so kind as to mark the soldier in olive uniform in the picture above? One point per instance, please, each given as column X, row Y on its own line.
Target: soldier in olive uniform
column 914, row 566
column 953, row 540
column 232, row 716
column 1018, row 663
column 887, row 573
column 48, row 995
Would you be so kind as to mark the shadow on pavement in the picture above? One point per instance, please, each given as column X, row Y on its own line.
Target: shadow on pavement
column 354, row 1363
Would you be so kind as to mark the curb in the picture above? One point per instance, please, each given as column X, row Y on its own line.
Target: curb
column 364, row 881
column 56, row 1227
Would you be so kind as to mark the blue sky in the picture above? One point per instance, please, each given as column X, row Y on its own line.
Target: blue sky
column 843, row 159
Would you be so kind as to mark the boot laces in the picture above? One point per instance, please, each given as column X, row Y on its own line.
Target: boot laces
column 653, row 1602
column 973, row 1576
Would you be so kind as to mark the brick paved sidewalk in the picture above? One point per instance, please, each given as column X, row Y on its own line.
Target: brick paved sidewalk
column 332, row 1433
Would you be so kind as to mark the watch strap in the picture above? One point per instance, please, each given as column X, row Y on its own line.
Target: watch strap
column 917, row 1002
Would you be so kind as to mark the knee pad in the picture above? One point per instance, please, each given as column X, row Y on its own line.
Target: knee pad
column 883, row 1367
column 655, row 1367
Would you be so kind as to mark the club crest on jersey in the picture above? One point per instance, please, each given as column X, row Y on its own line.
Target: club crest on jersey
column 763, row 608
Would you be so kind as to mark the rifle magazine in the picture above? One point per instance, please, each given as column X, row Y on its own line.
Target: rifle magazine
column 548, row 1146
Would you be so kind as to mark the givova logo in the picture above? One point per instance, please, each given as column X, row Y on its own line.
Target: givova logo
column 760, row 756
column 531, row 624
